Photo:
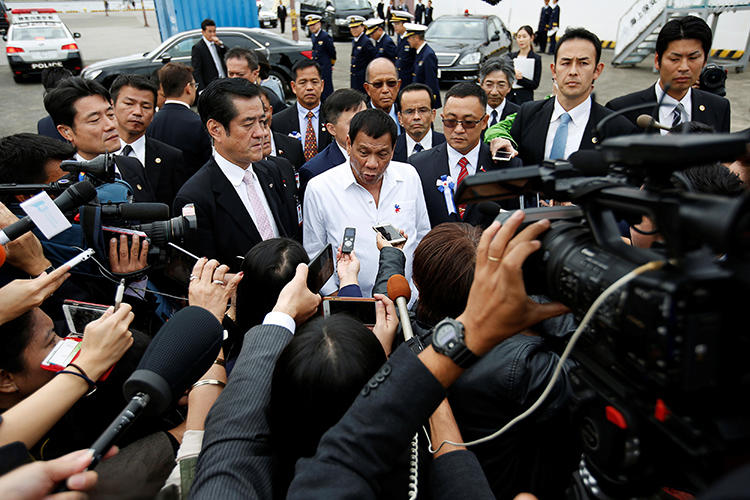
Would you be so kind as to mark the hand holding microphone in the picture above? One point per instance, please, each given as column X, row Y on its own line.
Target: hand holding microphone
column 400, row 293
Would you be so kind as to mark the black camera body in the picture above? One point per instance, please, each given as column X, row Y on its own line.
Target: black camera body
column 714, row 79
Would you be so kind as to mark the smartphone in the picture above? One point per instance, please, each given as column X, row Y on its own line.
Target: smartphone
column 320, row 269
column 64, row 352
column 501, row 155
column 79, row 314
column 390, row 233
column 85, row 255
column 347, row 246
column 362, row 309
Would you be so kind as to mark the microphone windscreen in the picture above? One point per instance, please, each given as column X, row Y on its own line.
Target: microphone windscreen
column 488, row 208
column 147, row 211
column 75, row 196
column 2, row 255
column 589, row 162
column 398, row 287
column 183, row 350
column 645, row 121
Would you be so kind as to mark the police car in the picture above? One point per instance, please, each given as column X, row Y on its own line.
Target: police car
column 37, row 39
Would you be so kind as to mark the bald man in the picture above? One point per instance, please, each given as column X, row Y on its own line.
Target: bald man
column 382, row 85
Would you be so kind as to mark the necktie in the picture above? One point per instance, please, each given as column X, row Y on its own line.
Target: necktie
column 494, row 117
column 462, row 174
column 311, row 147
column 262, row 223
column 418, row 147
column 126, row 150
column 677, row 114
column 561, row 139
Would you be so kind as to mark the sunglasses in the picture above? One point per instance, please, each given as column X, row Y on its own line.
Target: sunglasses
column 378, row 85
column 466, row 124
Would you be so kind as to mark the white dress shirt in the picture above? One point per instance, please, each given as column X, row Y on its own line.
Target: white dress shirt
column 215, row 56
column 176, row 101
column 235, row 174
column 343, row 151
column 139, row 149
column 579, row 117
column 421, row 47
column 668, row 105
column 302, row 117
column 426, row 143
column 334, row 201
column 273, row 146
column 499, row 110
column 454, row 157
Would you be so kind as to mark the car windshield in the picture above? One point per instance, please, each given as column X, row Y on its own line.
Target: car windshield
column 38, row 33
column 352, row 4
column 456, row 29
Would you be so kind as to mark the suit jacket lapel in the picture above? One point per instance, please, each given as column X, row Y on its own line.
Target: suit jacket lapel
column 537, row 129
column 153, row 165
column 227, row 198
column 588, row 140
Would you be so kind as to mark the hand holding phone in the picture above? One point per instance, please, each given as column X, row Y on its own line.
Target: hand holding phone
column 360, row 308
column 320, row 269
column 389, row 235
column 347, row 268
column 502, row 155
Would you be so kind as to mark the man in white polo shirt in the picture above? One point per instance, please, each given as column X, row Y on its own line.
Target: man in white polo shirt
column 366, row 191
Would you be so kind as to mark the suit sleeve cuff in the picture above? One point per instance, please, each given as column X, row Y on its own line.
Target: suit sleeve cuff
column 280, row 319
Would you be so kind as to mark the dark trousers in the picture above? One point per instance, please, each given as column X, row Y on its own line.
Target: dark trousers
column 282, row 23
column 541, row 40
column 552, row 43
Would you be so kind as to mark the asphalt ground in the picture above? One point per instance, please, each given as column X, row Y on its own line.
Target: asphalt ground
column 123, row 33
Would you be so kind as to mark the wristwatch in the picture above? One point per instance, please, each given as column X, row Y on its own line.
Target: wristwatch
column 448, row 339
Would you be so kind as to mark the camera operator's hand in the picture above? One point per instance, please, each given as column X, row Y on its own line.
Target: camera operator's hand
column 105, row 340
column 128, row 260
column 386, row 322
column 210, row 287
column 296, row 299
column 37, row 480
column 25, row 252
column 498, row 306
column 382, row 242
column 347, row 268
column 501, row 144
column 19, row 296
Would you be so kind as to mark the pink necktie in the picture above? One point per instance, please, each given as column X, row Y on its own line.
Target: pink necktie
column 262, row 223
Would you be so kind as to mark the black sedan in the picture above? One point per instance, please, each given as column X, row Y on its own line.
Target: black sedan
column 463, row 43
column 281, row 53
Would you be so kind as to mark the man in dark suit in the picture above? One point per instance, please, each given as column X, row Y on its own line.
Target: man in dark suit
column 557, row 127
column 175, row 123
column 279, row 144
column 554, row 26
column 134, row 101
column 238, row 203
column 50, row 78
column 428, row 13
column 541, row 31
column 419, row 10
column 416, row 114
column 207, row 56
column 404, row 53
column 363, row 51
column 682, row 49
column 244, row 63
column 281, row 14
column 382, row 87
column 324, row 53
column 338, row 110
column 384, row 45
column 445, row 166
column 425, row 61
column 496, row 77
column 303, row 120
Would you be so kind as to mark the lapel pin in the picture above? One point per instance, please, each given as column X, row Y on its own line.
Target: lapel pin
column 138, row 186
column 594, row 140
column 281, row 151
column 271, row 185
column 702, row 107
column 158, row 160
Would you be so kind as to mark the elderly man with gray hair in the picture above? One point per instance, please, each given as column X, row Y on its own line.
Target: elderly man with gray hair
column 496, row 77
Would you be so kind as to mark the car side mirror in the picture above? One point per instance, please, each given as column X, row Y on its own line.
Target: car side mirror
column 5, row 38
column 165, row 58
column 495, row 37
column 76, row 35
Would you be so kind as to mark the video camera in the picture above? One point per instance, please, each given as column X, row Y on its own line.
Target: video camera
column 662, row 368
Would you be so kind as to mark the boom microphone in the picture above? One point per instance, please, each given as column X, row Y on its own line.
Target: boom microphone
column 400, row 293
column 99, row 166
column 73, row 197
column 182, row 351
column 648, row 122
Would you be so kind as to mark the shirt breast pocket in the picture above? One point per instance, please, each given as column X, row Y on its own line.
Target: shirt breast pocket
column 403, row 214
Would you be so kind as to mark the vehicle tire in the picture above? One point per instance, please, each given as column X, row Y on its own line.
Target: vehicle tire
column 275, row 75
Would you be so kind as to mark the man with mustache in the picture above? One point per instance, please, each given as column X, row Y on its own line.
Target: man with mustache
column 558, row 127
column 134, row 103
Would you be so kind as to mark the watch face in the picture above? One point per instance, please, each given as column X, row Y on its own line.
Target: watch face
column 446, row 335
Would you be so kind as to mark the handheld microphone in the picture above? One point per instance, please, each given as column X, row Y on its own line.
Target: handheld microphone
column 648, row 122
column 182, row 351
column 73, row 197
column 489, row 208
column 99, row 166
column 2, row 255
column 400, row 293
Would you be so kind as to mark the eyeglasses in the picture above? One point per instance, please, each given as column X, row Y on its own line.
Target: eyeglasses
column 194, row 84
column 466, row 124
column 378, row 85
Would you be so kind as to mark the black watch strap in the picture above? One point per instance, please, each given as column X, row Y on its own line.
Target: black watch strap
column 456, row 348
column 463, row 357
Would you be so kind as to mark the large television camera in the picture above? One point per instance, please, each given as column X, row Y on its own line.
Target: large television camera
column 662, row 368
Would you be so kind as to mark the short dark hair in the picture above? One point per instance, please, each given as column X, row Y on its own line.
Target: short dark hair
column 467, row 89
column 504, row 64
column 339, row 101
column 583, row 34
column 138, row 82
column 448, row 252
column 415, row 87
column 684, row 28
column 53, row 76
column 304, row 64
column 243, row 53
column 206, row 23
column 265, row 66
column 173, row 77
column 16, row 335
column 217, row 99
column 709, row 179
column 23, row 158
column 374, row 123
column 60, row 101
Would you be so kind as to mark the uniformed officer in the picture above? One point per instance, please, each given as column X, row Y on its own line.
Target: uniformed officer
column 384, row 45
column 323, row 51
column 404, row 54
column 425, row 61
column 363, row 51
